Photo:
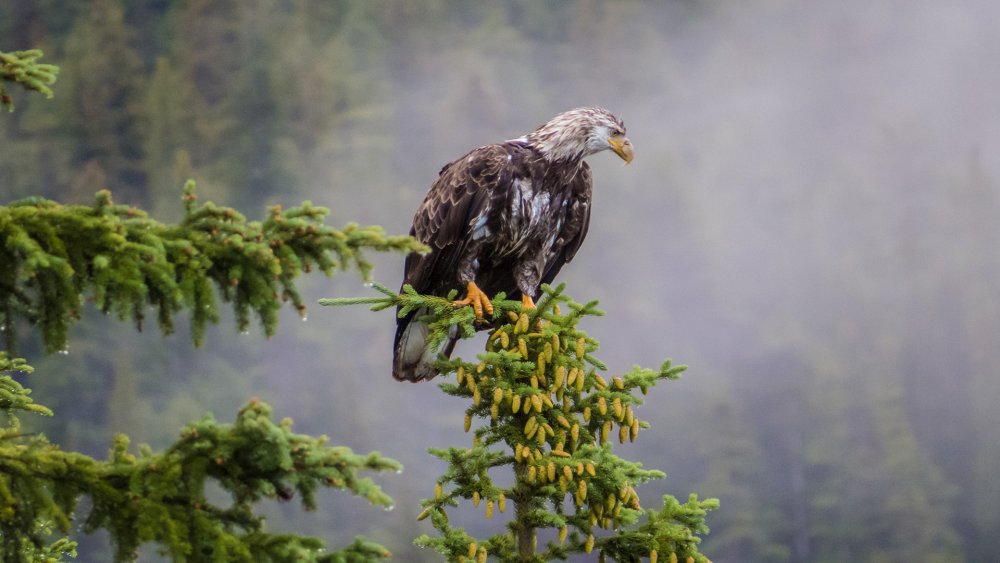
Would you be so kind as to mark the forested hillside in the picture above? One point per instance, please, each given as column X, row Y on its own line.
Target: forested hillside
column 811, row 223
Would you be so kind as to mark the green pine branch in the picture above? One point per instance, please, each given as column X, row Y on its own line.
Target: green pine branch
column 22, row 67
column 14, row 396
column 550, row 414
column 162, row 497
column 58, row 256
column 124, row 262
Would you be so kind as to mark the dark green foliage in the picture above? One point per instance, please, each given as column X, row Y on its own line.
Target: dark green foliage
column 551, row 416
column 13, row 396
column 21, row 67
column 55, row 254
column 125, row 261
column 162, row 497
column 114, row 255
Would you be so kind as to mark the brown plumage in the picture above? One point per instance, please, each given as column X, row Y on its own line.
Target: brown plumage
column 505, row 217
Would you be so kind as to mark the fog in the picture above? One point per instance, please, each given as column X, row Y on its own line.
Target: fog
column 810, row 223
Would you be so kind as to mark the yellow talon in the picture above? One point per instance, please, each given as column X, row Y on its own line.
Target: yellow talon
column 480, row 301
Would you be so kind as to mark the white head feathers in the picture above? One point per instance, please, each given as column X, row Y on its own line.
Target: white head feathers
column 577, row 133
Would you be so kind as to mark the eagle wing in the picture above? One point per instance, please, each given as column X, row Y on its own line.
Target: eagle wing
column 575, row 226
column 457, row 204
column 448, row 221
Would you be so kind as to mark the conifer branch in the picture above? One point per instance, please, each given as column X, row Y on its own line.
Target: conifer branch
column 56, row 256
column 162, row 497
column 551, row 413
column 14, row 396
column 21, row 67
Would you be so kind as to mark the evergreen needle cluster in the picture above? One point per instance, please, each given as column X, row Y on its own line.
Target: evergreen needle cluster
column 22, row 67
column 161, row 497
column 56, row 256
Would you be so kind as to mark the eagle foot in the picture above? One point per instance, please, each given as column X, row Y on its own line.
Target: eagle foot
column 480, row 301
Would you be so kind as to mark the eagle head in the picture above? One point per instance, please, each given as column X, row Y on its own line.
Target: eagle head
column 579, row 133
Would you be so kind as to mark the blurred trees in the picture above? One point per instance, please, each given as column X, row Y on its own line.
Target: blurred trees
column 104, row 111
column 732, row 466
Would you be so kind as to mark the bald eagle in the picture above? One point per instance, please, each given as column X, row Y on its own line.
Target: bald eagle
column 503, row 217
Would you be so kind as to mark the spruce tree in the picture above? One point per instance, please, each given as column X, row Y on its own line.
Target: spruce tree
column 550, row 415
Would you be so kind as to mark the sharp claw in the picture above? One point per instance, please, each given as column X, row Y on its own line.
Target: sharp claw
column 478, row 299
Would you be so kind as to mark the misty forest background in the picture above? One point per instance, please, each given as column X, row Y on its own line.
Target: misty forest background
column 812, row 223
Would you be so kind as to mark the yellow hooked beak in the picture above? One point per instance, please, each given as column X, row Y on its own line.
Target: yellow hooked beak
column 622, row 147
